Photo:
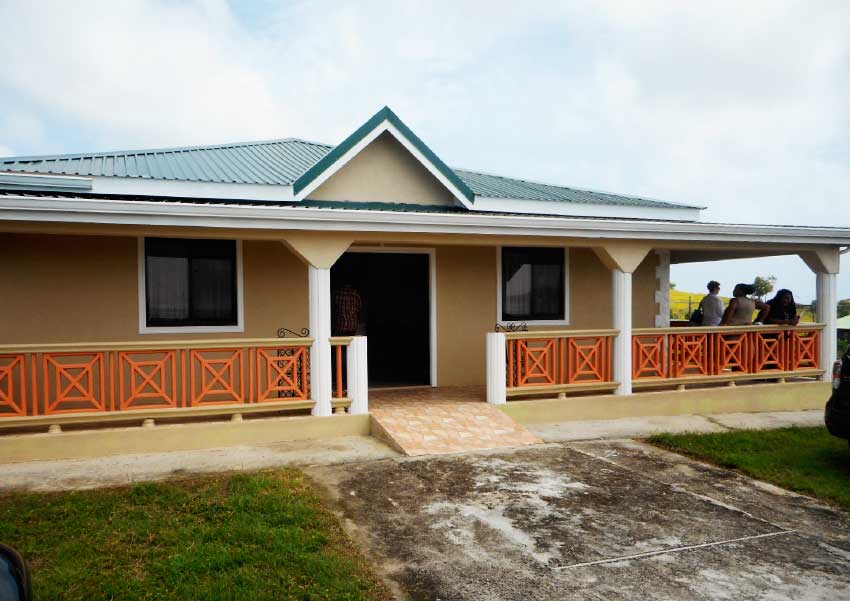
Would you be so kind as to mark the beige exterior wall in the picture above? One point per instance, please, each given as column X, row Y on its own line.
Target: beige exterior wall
column 85, row 289
column 466, row 311
column 384, row 171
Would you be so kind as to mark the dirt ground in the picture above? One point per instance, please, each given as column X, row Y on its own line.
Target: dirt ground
column 592, row 520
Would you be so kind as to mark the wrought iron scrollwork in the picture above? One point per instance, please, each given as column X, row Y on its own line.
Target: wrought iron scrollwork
column 286, row 332
column 512, row 327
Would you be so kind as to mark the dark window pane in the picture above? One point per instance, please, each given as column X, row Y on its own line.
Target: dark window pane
column 213, row 283
column 190, row 282
column 532, row 283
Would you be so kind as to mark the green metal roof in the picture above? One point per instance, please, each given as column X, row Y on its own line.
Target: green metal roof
column 265, row 162
column 295, row 162
column 498, row 186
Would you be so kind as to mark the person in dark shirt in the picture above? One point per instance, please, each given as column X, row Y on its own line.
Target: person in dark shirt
column 781, row 310
column 347, row 308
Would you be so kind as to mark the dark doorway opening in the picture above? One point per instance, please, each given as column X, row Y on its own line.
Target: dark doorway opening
column 395, row 314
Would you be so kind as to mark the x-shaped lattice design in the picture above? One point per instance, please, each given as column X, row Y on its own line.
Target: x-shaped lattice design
column 587, row 360
column 218, row 377
column 805, row 350
column 74, row 383
column 732, row 352
column 283, row 374
column 148, row 380
column 691, row 354
column 9, row 395
column 768, row 355
column 536, row 362
column 648, row 357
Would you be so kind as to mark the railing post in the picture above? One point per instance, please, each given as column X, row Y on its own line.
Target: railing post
column 622, row 289
column 497, row 358
column 321, row 385
column 828, row 315
column 358, row 376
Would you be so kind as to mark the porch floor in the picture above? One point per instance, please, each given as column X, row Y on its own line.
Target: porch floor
column 433, row 421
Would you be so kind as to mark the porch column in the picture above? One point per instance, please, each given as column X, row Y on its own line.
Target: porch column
column 622, row 305
column 319, row 284
column 825, row 262
column 358, row 375
column 497, row 358
column 622, row 257
column 319, row 250
column 827, row 313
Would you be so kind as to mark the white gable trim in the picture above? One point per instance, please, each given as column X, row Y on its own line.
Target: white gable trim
column 385, row 126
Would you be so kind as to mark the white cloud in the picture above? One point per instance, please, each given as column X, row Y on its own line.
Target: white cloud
column 744, row 107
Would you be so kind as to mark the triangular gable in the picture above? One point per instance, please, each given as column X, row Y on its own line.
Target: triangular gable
column 384, row 121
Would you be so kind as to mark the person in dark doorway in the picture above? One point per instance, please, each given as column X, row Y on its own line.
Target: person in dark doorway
column 347, row 308
column 740, row 310
column 782, row 310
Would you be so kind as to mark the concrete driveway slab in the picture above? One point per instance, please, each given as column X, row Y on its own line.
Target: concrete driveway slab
column 593, row 521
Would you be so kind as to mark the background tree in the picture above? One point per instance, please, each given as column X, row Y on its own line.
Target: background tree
column 672, row 285
column 844, row 307
column 764, row 286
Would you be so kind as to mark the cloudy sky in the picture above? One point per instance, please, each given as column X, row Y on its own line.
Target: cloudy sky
column 740, row 106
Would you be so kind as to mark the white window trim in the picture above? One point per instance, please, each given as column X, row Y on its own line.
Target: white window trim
column 143, row 309
column 533, row 322
column 432, row 290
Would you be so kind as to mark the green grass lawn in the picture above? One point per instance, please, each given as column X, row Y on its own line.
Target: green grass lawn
column 253, row 537
column 807, row 460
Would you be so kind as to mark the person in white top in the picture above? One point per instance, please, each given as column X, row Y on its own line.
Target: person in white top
column 712, row 305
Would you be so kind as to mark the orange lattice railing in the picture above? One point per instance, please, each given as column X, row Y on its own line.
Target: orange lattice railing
column 746, row 352
column 44, row 380
column 559, row 360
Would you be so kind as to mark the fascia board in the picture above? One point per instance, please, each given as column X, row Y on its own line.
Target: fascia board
column 45, row 209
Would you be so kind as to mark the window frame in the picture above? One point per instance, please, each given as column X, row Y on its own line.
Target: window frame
column 143, row 304
column 532, row 322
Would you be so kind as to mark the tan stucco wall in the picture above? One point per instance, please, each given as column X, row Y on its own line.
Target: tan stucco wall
column 81, row 289
column 384, row 171
column 466, row 311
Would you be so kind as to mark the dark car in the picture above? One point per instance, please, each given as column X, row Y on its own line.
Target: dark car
column 837, row 414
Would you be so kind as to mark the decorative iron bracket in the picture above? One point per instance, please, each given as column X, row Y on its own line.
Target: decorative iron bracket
column 512, row 327
column 286, row 332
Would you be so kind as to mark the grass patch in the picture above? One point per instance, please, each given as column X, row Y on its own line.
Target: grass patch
column 807, row 460
column 247, row 536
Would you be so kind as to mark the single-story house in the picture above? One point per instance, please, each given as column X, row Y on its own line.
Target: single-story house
column 223, row 279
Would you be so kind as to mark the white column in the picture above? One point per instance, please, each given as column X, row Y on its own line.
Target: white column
column 662, row 291
column 358, row 376
column 497, row 358
column 827, row 310
column 319, row 283
column 622, row 288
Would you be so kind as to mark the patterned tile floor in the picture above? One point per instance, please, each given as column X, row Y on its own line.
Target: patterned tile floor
column 432, row 421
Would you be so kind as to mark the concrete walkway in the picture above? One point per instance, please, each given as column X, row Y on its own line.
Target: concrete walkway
column 42, row 476
column 641, row 427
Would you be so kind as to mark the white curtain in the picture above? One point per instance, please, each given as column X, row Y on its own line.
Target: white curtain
column 167, row 282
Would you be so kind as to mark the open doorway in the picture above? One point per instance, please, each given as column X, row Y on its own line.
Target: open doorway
column 394, row 290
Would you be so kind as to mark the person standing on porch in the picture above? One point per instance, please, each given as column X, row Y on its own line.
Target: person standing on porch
column 712, row 305
column 783, row 310
column 741, row 308
column 347, row 308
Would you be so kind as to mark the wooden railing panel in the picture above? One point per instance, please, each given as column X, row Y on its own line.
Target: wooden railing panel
column 125, row 377
column 679, row 353
column 558, row 359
